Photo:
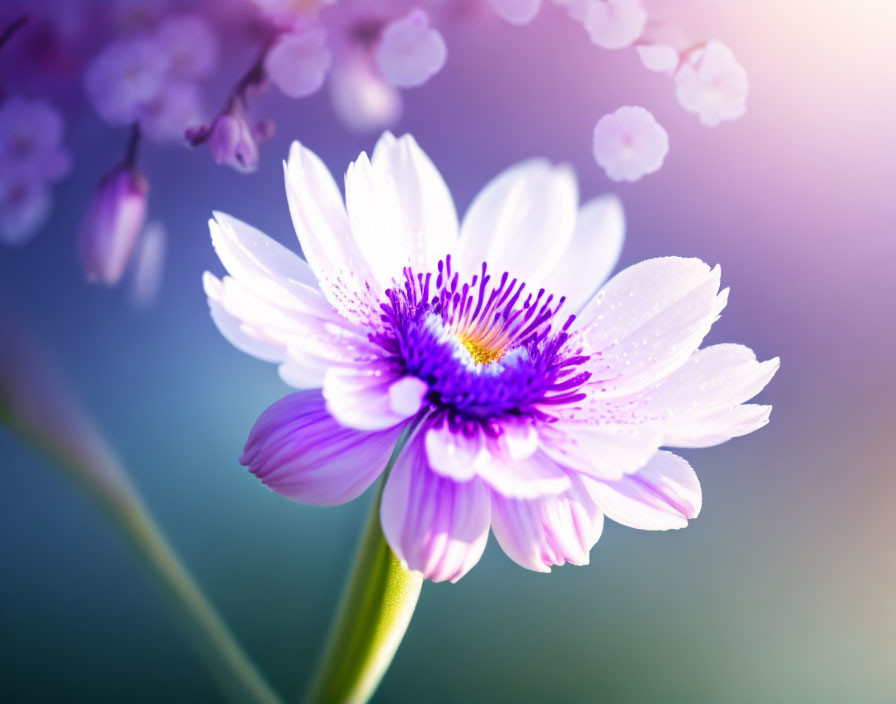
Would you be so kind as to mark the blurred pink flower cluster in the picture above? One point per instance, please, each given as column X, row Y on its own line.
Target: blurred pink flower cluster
column 145, row 64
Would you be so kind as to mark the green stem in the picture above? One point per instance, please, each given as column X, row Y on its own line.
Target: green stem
column 373, row 616
column 106, row 484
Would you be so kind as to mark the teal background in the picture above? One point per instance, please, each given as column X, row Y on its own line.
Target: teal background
column 781, row 591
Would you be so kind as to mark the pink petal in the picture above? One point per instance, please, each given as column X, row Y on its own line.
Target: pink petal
column 300, row 451
column 362, row 99
column 663, row 494
column 298, row 63
column 410, row 51
column 629, row 144
column 551, row 530
column 614, row 24
column 517, row 12
column 434, row 525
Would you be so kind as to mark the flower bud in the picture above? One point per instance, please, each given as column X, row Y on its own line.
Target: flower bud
column 114, row 220
column 232, row 141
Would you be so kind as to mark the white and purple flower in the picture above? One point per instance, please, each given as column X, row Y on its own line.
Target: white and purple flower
column 536, row 401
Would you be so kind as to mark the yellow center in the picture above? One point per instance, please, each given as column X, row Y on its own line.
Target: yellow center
column 482, row 354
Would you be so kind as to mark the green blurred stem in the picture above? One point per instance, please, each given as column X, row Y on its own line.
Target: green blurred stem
column 107, row 486
column 375, row 611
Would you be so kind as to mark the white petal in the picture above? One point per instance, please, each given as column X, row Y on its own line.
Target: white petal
column 602, row 451
column 521, row 222
column 321, row 223
column 433, row 524
column 548, row 531
column 400, row 209
column 663, row 494
column 363, row 397
column 592, row 253
column 647, row 321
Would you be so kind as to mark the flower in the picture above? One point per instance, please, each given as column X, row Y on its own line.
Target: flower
column 113, row 223
column 410, row 51
column 518, row 12
column 611, row 24
column 232, row 137
column 531, row 412
column 630, row 143
column 125, row 78
column 190, row 45
column 298, row 62
column 149, row 265
column 24, row 207
column 712, row 84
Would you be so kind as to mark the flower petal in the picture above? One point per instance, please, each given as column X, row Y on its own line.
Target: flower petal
column 663, row 494
column 647, row 321
column 321, row 223
column 509, row 462
column 602, row 451
column 521, row 222
column 550, row 530
column 433, row 524
column 370, row 398
column 300, row 451
column 400, row 209
column 592, row 252
column 517, row 12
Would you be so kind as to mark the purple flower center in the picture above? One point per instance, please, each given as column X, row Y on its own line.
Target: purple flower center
column 486, row 349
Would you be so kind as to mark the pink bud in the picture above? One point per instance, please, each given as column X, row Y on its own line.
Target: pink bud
column 114, row 220
column 232, row 141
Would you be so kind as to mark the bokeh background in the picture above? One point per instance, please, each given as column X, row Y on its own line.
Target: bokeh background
column 782, row 590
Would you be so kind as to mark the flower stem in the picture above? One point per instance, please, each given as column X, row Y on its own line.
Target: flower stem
column 375, row 611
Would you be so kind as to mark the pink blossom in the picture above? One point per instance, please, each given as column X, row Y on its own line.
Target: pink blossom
column 524, row 419
column 712, row 84
column 517, row 12
column 190, row 45
column 410, row 51
column 298, row 63
column 178, row 107
column 661, row 58
column 112, row 225
column 629, row 144
column 24, row 207
column 611, row 24
column 125, row 78
column 361, row 98
column 31, row 141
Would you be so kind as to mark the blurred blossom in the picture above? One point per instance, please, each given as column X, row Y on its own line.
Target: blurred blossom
column 298, row 62
column 661, row 58
column 410, row 51
column 24, row 207
column 516, row 11
column 113, row 223
column 136, row 15
column 630, row 143
column 178, row 106
column 31, row 141
column 362, row 99
column 190, row 45
column 712, row 84
column 611, row 24
column 149, row 265
column 126, row 78
column 31, row 157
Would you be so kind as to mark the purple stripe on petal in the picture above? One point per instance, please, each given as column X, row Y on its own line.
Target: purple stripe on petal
column 299, row 450
column 434, row 524
column 551, row 530
column 663, row 494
